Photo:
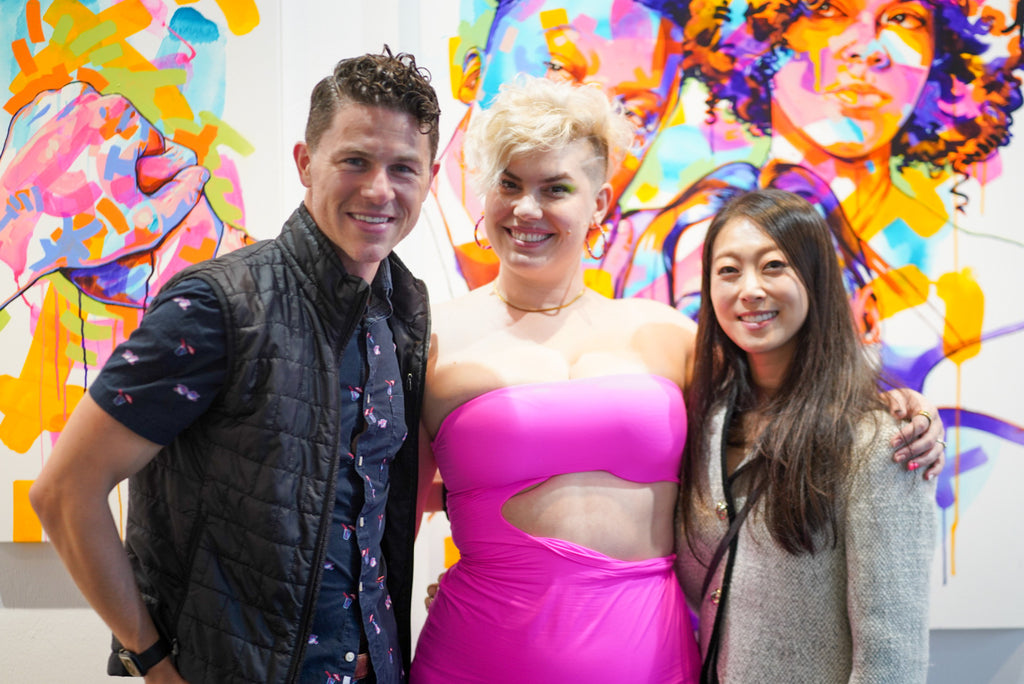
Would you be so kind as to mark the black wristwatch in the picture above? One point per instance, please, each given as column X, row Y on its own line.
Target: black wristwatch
column 138, row 664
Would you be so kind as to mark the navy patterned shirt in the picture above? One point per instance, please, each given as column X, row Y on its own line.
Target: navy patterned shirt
column 166, row 375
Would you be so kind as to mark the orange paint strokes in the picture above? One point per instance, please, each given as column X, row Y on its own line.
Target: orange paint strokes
column 128, row 17
column 478, row 266
column 79, row 221
column 70, row 19
column 27, row 527
column 899, row 289
column 113, row 214
column 40, row 399
column 199, row 143
column 242, row 15
column 451, row 552
column 120, row 510
column 33, row 21
column 193, row 255
column 93, row 78
column 44, row 81
column 924, row 203
column 23, row 56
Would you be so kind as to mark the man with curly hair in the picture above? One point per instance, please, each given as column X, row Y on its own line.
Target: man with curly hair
column 261, row 412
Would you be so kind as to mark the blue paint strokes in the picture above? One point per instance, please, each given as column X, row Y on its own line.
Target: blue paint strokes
column 69, row 247
column 984, row 423
column 193, row 27
column 202, row 55
column 119, row 164
column 969, row 460
column 904, row 246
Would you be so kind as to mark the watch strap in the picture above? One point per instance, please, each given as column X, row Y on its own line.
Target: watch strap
column 142, row 662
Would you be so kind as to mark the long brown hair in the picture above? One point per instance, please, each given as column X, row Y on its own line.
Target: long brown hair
column 811, row 421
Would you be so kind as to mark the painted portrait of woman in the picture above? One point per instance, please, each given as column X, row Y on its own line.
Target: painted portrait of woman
column 630, row 48
column 893, row 117
column 889, row 116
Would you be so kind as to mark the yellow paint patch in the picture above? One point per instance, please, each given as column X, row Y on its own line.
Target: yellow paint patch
column 27, row 527
column 171, row 103
column 554, row 17
column 965, row 310
column 451, row 552
column 646, row 192
column 242, row 15
column 40, row 398
column 900, row 289
column 599, row 280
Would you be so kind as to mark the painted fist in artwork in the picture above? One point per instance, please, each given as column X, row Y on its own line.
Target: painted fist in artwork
column 91, row 188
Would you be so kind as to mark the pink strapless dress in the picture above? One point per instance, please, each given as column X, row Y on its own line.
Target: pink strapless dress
column 518, row 608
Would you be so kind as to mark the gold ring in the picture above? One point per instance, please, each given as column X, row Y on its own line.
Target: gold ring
column 927, row 416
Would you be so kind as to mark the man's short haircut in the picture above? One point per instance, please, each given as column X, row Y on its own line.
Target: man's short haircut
column 385, row 80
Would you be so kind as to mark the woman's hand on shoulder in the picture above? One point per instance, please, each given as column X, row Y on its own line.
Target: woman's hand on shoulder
column 919, row 442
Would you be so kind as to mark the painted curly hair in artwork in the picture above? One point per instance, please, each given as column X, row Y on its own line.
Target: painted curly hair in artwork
column 962, row 116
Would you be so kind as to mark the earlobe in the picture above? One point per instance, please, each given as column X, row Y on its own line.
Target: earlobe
column 604, row 199
column 301, row 155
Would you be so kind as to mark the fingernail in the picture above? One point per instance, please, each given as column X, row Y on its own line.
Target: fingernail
column 913, row 465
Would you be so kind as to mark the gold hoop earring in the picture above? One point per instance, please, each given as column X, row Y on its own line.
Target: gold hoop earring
column 604, row 243
column 476, row 236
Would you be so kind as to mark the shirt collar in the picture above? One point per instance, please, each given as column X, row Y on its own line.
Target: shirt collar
column 379, row 306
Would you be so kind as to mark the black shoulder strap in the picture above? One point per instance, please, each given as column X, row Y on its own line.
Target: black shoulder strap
column 709, row 671
column 734, row 529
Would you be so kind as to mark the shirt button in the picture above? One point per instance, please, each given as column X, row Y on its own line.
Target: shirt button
column 349, row 657
column 716, row 596
column 722, row 509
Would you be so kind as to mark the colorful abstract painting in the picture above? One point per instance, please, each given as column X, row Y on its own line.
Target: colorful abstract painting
column 121, row 164
column 894, row 117
column 117, row 171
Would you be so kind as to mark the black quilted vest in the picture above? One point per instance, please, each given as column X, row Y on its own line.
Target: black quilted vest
column 226, row 526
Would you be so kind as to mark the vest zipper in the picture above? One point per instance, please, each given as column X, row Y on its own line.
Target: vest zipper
column 306, row 623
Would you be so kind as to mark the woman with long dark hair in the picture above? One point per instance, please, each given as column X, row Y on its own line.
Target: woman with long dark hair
column 804, row 553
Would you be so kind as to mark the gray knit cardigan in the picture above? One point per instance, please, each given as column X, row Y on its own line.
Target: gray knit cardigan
column 854, row 613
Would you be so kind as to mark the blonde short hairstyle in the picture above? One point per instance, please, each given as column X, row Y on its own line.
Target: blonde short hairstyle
column 536, row 114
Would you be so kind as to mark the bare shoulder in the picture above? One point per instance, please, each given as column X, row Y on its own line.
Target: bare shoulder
column 457, row 312
column 644, row 311
column 658, row 322
column 664, row 337
column 456, row 321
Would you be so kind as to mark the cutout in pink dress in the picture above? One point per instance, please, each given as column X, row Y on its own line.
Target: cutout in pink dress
column 518, row 608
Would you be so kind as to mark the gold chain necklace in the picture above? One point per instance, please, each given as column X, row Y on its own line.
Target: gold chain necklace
column 494, row 287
